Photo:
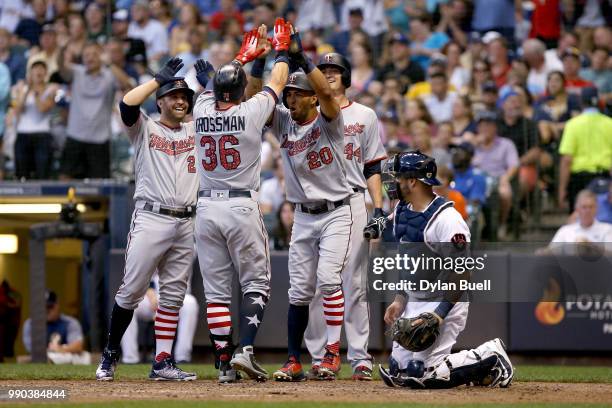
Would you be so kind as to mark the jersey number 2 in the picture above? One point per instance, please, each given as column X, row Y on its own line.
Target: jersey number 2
column 315, row 158
column 229, row 157
column 191, row 164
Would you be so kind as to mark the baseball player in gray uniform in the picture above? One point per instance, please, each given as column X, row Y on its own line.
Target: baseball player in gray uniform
column 312, row 145
column 230, row 234
column 363, row 152
column 161, row 231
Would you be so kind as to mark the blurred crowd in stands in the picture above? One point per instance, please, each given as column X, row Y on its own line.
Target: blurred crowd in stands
column 512, row 98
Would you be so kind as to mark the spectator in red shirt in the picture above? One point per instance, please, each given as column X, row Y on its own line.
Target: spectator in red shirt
column 228, row 10
column 546, row 22
column 571, row 67
column 498, row 57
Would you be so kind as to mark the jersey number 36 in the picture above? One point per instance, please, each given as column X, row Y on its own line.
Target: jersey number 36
column 228, row 156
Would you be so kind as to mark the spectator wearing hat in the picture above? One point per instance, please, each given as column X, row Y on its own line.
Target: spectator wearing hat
column 64, row 335
column 468, row 180
column 571, row 69
column 49, row 51
column 599, row 73
column 136, row 49
column 150, row 31
column 401, row 65
column 32, row 104
column 440, row 101
column 523, row 132
column 340, row 40
column 92, row 86
column 489, row 97
column 425, row 43
column 14, row 60
column 28, row 30
column 497, row 157
column 586, row 149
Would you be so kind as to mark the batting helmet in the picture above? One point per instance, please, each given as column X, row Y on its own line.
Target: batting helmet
column 333, row 59
column 296, row 80
column 175, row 84
column 410, row 165
column 229, row 83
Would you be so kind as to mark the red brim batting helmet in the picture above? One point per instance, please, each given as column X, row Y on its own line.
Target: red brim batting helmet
column 296, row 80
column 333, row 59
column 229, row 83
column 176, row 84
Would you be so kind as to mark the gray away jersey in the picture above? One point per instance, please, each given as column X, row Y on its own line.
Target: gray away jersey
column 362, row 144
column 312, row 157
column 164, row 162
column 229, row 141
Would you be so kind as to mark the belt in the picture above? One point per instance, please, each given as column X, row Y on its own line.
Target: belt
column 220, row 194
column 321, row 207
column 185, row 212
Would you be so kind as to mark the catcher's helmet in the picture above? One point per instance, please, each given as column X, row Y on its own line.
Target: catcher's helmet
column 410, row 165
column 333, row 59
column 175, row 84
column 296, row 80
column 229, row 83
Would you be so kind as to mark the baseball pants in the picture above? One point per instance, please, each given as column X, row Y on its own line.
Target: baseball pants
column 356, row 308
column 452, row 325
column 187, row 324
column 231, row 238
column 318, row 253
column 162, row 243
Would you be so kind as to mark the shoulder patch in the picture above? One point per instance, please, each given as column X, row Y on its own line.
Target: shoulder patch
column 459, row 241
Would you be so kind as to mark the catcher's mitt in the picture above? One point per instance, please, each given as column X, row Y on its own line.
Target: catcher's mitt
column 416, row 333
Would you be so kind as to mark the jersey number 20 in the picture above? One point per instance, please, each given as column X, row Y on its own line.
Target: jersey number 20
column 315, row 158
column 229, row 157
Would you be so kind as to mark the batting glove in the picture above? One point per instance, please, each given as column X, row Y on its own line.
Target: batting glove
column 204, row 72
column 169, row 70
column 249, row 50
column 376, row 225
column 282, row 35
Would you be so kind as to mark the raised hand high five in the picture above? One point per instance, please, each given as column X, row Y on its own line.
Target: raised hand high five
column 169, row 70
column 282, row 35
column 249, row 49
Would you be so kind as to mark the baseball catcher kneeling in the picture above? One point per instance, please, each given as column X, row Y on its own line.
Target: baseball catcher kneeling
column 425, row 325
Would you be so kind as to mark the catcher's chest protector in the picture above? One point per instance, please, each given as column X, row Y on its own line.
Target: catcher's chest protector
column 409, row 226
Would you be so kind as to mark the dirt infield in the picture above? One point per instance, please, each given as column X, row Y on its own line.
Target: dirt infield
column 338, row 391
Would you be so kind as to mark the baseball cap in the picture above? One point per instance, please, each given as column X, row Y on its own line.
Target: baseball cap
column 490, row 36
column 486, row 116
column 465, row 146
column 571, row 52
column 504, row 97
column 489, row 86
column 589, row 96
column 50, row 297
column 121, row 15
column 400, row 38
column 356, row 12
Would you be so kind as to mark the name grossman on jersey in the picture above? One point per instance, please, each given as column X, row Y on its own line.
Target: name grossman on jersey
column 220, row 124
column 431, row 286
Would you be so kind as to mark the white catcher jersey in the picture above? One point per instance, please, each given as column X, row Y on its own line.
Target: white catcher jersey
column 362, row 144
column 164, row 162
column 229, row 141
column 312, row 157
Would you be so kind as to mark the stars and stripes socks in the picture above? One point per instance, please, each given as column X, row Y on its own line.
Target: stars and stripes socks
column 219, row 322
column 166, row 321
column 251, row 314
column 333, row 309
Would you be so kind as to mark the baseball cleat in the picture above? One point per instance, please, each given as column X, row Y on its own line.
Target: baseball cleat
column 330, row 366
column 226, row 373
column 246, row 362
column 362, row 373
column 508, row 370
column 291, row 372
column 166, row 370
column 313, row 373
column 107, row 366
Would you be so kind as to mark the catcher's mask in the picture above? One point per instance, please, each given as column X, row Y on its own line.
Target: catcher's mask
column 408, row 165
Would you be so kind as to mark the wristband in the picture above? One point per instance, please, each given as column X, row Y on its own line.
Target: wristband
column 282, row 56
column 307, row 65
column 444, row 308
column 257, row 69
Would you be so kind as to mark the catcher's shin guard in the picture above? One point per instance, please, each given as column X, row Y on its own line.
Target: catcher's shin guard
column 472, row 374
